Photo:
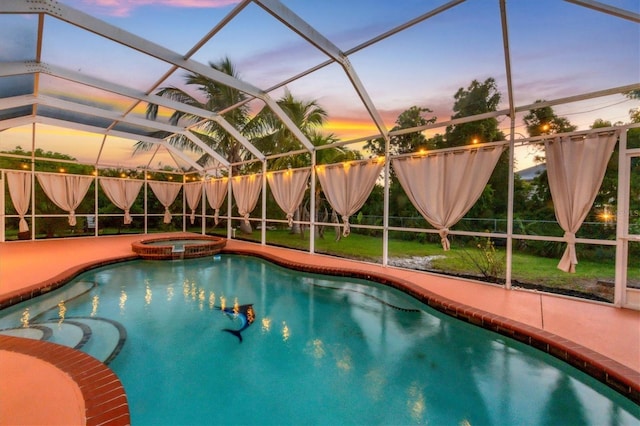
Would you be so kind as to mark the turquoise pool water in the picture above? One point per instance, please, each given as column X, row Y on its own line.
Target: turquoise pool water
column 312, row 350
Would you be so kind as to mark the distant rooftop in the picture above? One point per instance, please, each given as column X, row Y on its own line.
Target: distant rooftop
column 532, row 172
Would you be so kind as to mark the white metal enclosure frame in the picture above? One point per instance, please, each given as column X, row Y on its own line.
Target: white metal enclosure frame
column 13, row 108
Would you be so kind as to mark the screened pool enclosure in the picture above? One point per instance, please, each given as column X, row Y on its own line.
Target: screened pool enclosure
column 444, row 135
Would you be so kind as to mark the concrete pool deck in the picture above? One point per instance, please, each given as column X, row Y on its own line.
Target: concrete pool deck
column 604, row 339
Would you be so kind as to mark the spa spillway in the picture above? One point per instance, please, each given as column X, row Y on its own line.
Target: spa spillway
column 178, row 248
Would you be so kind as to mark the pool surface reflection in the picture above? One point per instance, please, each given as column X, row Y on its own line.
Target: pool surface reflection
column 319, row 350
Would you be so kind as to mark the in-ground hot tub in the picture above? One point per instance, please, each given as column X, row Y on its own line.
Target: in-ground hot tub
column 178, row 248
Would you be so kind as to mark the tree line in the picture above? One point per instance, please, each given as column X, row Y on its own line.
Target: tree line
column 532, row 200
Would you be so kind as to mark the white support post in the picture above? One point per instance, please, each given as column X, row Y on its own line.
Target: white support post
column 230, row 232
column 622, row 222
column 184, row 204
column 263, row 221
column 2, row 211
column 33, row 196
column 385, row 209
column 33, row 181
column 146, row 203
column 95, row 206
column 312, row 205
column 203, row 208
column 512, row 129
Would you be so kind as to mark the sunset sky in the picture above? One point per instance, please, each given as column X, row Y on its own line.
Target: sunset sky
column 558, row 49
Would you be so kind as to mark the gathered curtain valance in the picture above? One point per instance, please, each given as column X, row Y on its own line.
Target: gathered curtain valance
column 193, row 192
column 66, row 191
column 246, row 190
column 216, row 190
column 576, row 168
column 348, row 185
column 20, row 192
column 122, row 193
column 444, row 186
column 288, row 189
column 166, row 192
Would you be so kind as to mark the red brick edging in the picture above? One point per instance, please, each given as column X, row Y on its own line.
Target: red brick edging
column 104, row 396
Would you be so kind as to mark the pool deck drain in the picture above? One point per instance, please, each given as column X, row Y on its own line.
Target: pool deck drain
column 600, row 339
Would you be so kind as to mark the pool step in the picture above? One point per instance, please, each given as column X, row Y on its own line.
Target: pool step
column 36, row 332
column 18, row 314
column 101, row 338
column 107, row 337
column 66, row 333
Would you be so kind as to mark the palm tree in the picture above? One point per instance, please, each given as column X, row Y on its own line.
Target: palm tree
column 274, row 137
column 265, row 130
column 309, row 117
column 217, row 97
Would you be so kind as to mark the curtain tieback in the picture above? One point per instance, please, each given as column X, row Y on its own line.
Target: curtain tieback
column 570, row 237
column 569, row 259
column 167, row 215
column 127, row 217
column 443, row 238
column 216, row 216
column 347, row 229
column 23, row 225
column 246, row 218
column 290, row 219
column 72, row 218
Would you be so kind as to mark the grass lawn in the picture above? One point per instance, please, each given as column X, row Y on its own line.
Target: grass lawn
column 527, row 269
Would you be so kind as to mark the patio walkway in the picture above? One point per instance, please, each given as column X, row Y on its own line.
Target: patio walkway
column 608, row 335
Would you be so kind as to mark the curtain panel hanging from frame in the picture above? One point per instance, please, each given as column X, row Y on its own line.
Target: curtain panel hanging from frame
column 288, row 189
column 20, row 193
column 122, row 193
column 66, row 191
column 445, row 185
column 348, row 185
column 166, row 192
column 246, row 190
column 193, row 193
column 576, row 168
column 216, row 191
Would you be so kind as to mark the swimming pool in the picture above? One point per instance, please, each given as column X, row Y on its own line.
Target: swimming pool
column 315, row 350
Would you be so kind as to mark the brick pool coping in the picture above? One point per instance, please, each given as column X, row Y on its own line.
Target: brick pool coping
column 105, row 398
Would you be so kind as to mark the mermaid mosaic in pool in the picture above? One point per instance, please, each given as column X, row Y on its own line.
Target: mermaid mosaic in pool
column 315, row 350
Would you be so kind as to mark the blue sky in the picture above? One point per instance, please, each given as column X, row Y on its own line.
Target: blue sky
column 558, row 49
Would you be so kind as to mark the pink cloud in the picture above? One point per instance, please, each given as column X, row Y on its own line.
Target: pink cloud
column 123, row 8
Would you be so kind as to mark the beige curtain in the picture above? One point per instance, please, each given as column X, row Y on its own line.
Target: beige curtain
column 193, row 192
column 246, row 190
column 575, row 168
column 348, row 185
column 288, row 189
column 20, row 192
column 122, row 193
column 444, row 186
column 66, row 191
column 216, row 190
column 166, row 192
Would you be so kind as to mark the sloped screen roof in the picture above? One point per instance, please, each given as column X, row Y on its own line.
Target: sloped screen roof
column 77, row 77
